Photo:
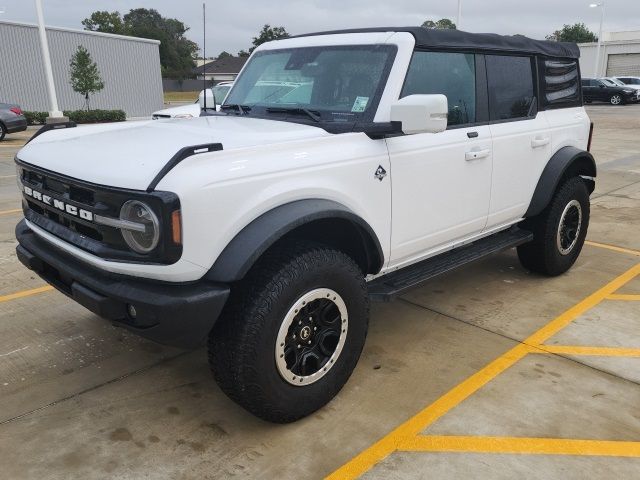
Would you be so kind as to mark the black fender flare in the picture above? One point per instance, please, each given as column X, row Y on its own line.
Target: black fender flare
column 255, row 238
column 567, row 160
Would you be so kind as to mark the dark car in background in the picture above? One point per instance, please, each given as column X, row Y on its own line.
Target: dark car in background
column 600, row 89
column 11, row 119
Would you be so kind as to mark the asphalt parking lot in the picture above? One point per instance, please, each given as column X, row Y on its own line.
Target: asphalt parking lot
column 488, row 372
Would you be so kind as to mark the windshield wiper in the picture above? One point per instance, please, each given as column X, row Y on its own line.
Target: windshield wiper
column 312, row 115
column 241, row 109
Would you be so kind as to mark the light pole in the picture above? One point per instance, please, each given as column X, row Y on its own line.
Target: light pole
column 55, row 115
column 459, row 18
column 596, row 5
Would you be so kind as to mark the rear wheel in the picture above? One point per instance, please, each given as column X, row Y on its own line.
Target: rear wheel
column 559, row 230
column 3, row 131
column 292, row 332
column 615, row 99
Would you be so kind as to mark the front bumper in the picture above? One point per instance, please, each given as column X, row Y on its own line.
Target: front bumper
column 177, row 314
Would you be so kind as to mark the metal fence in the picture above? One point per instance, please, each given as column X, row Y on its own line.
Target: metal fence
column 129, row 67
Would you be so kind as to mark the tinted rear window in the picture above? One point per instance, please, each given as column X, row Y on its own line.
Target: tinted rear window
column 511, row 89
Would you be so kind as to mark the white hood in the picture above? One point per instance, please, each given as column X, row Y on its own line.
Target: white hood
column 130, row 154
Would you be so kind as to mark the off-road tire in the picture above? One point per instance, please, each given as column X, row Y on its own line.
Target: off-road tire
column 243, row 341
column 543, row 254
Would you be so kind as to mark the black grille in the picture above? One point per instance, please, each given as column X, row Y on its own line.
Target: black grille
column 101, row 240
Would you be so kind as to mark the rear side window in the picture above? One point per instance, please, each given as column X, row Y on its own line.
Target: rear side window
column 451, row 74
column 511, row 90
column 559, row 80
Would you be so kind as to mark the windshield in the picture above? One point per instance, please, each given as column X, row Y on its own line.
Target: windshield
column 220, row 92
column 615, row 81
column 338, row 83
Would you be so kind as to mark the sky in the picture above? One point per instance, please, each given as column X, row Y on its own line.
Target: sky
column 231, row 24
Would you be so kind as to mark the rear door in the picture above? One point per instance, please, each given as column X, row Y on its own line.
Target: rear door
column 441, row 182
column 521, row 136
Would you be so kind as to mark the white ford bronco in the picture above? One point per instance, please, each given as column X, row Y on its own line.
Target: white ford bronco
column 343, row 167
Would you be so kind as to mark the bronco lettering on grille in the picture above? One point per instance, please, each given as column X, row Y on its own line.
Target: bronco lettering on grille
column 58, row 204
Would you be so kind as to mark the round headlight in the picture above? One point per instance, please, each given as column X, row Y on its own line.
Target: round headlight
column 139, row 240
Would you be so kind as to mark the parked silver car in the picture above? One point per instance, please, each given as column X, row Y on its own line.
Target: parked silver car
column 11, row 119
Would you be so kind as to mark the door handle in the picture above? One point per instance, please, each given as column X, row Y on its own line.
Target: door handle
column 540, row 142
column 476, row 154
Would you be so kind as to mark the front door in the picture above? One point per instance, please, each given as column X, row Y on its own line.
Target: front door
column 441, row 182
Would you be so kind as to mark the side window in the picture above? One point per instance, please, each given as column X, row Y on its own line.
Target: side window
column 559, row 82
column 510, row 82
column 451, row 74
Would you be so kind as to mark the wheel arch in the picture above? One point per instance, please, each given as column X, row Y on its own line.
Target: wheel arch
column 565, row 163
column 323, row 221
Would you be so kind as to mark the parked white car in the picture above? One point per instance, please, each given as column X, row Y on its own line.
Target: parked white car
column 629, row 80
column 620, row 83
column 343, row 167
column 215, row 98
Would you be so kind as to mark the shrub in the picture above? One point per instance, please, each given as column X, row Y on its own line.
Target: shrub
column 96, row 116
column 36, row 118
column 79, row 116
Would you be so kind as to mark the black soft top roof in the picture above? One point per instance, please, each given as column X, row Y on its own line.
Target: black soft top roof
column 459, row 40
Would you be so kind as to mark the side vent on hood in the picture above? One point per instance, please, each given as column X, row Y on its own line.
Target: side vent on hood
column 183, row 153
column 52, row 126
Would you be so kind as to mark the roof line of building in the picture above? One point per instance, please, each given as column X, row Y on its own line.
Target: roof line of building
column 85, row 32
column 609, row 42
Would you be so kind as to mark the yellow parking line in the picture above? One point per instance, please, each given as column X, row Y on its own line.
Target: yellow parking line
column 625, row 297
column 614, row 248
column 10, row 212
column 586, row 350
column 523, row 445
column 553, row 327
column 412, row 427
column 25, row 293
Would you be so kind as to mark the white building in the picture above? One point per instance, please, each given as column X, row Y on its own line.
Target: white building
column 619, row 55
column 129, row 67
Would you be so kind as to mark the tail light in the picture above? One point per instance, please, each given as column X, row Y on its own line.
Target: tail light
column 16, row 110
column 590, row 136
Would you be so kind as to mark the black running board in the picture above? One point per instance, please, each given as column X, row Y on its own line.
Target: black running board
column 389, row 286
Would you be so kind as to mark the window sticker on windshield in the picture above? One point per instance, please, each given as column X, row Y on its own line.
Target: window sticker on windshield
column 360, row 104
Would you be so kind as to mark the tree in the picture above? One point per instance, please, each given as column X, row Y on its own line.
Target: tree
column 243, row 53
column 224, row 54
column 176, row 51
column 442, row 24
column 103, row 21
column 267, row 34
column 578, row 32
column 85, row 76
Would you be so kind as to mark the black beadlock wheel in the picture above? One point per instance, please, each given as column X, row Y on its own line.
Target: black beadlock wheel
column 559, row 230
column 292, row 332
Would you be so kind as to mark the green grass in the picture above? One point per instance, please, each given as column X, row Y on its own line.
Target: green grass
column 180, row 96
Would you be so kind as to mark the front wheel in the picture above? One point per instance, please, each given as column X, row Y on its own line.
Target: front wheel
column 559, row 230
column 3, row 132
column 292, row 332
column 615, row 99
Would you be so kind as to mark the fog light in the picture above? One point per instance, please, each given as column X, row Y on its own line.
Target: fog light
column 132, row 311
